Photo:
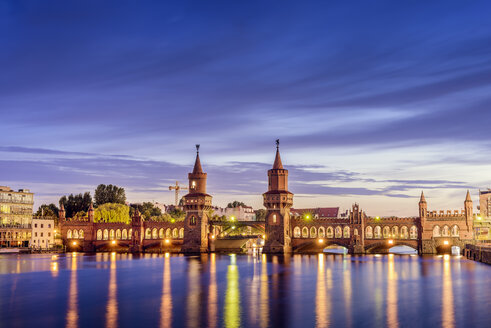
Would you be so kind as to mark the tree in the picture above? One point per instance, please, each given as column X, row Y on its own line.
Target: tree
column 148, row 210
column 109, row 194
column 235, row 203
column 47, row 210
column 260, row 214
column 75, row 203
column 112, row 212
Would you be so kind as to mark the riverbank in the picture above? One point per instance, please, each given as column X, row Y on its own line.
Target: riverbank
column 480, row 253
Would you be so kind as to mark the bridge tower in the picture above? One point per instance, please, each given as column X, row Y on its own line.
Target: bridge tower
column 469, row 219
column 196, row 204
column 138, row 232
column 278, row 201
column 357, row 225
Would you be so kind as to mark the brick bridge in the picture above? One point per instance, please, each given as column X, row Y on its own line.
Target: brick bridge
column 429, row 232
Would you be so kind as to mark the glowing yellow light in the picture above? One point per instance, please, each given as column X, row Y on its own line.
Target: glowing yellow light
column 445, row 242
column 377, row 218
column 253, row 245
column 167, row 255
column 264, row 236
column 54, row 231
column 321, row 241
column 232, row 218
column 479, row 218
column 173, row 220
column 212, row 236
column 167, row 241
column 307, row 217
column 113, row 242
column 233, row 227
column 74, row 243
column 390, row 241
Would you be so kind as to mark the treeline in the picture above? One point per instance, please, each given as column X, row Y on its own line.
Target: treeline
column 109, row 206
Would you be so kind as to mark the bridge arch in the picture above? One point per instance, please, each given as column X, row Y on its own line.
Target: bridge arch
column 155, row 233
column 338, row 233
column 330, row 232
column 124, row 234
column 148, row 233
column 386, row 232
column 181, row 233
column 313, row 232
column 369, row 232
column 99, row 234
column 377, row 232
column 305, row 232
column 118, row 234
column 321, row 232
column 105, row 234
column 404, row 232
column 346, row 232
column 297, row 233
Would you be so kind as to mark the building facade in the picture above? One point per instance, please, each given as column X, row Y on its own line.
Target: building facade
column 43, row 233
column 239, row 213
column 482, row 221
column 15, row 217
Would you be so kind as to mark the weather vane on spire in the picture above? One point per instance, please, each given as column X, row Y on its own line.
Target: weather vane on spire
column 277, row 143
column 197, row 148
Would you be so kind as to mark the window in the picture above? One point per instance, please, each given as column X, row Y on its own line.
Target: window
column 42, row 225
column 446, row 231
column 377, row 232
column 436, row 231
column 148, row 233
column 386, row 232
column 305, row 232
column 111, row 234
column 69, row 234
column 321, row 232
column 155, row 233
column 36, row 234
column 404, row 233
column 49, row 234
column 313, row 232
column 35, row 225
column 330, row 232
column 175, row 233
column 455, row 231
column 274, row 218
column 124, row 234
column 49, row 225
column 296, row 232
column 413, row 232
column 181, row 233
column 161, row 233
column 118, row 234
column 192, row 220
column 106, row 234
column 99, row 234
column 395, row 231
column 168, row 233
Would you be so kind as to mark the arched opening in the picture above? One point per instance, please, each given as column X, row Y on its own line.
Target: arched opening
column 99, row 234
column 446, row 231
column 168, row 233
column 335, row 249
column 161, row 233
column 124, row 234
column 436, row 231
column 330, row 232
column 355, row 232
column 175, row 233
column 321, row 232
column 297, row 232
column 118, row 234
column 338, row 232
column 404, row 233
column 155, row 233
column 181, row 233
column 386, row 232
column 130, row 233
column 148, row 233
column 377, row 232
column 111, row 234
column 75, row 234
column 346, row 232
column 368, row 232
column 106, row 234
column 305, row 232
column 81, row 234
column 402, row 249
column 69, row 234
column 455, row 231
column 313, row 232
column 395, row 232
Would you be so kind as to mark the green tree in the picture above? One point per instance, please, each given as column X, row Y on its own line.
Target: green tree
column 235, row 203
column 112, row 212
column 260, row 214
column 109, row 194
column 148, row 210
column 48, row 210
column 75, row 203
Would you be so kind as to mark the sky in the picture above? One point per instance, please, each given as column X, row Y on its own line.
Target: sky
column 373, row 101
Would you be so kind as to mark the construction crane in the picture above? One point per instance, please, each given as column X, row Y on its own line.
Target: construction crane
column 177, row 187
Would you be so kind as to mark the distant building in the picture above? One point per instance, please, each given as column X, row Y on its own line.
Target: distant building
column 482, row 222
column 320, row 213
column 240, row 213
column 43, row 233
column 15, row 217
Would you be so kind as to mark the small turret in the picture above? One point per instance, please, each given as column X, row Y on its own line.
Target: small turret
column 90, row 213
column 61, row 212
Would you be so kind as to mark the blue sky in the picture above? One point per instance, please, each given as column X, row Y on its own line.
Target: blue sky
column 373, row 100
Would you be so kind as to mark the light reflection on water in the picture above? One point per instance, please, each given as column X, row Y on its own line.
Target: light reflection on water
column 324, row 290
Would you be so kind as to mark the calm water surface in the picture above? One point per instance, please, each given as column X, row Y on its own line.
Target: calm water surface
column 120, row 290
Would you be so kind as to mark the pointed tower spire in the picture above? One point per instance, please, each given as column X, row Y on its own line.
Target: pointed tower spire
column 277, row 161
column 422, row 199
column 468, row 197
column 197, row 163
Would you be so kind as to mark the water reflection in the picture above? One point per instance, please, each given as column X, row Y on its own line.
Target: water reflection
column 264, row 294
column 112, row 301
column 232, row 295
column 347, row 289
column 392, row 320
column 166, row 302
column 194, row 289
column 72, row 313
column 213, row 294
column 447, row 295
column 322, row 302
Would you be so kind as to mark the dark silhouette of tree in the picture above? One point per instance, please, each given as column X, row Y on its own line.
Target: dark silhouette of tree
column 75, row 203
column 235, row 203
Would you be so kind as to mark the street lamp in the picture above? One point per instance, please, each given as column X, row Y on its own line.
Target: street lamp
column 321, row 241
column 167, row 241
column 74, row 243
column 113, row 242
column 390, row 242
column 445, row 242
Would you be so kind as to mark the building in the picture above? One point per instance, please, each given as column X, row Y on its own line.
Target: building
column 15, row 217
column 239, row 213
column 482, row 221
column 320, row 213
column 43, row 233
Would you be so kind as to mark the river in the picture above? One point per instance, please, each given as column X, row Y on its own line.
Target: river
column 124, row 290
